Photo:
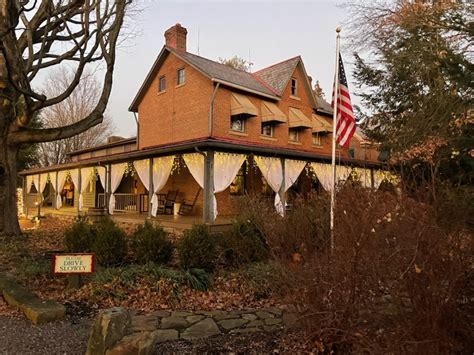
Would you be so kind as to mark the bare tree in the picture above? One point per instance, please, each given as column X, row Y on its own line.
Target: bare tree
column 36, row 36
column 79, row 104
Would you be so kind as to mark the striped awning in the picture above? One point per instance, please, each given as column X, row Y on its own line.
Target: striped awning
column 320, row 124
column 297, row 119
column 240, row 104
column 271, row 113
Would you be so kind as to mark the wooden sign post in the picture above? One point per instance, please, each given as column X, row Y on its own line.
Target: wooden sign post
column 73, row 265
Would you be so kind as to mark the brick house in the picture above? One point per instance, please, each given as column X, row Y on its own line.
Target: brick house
column 207, row 135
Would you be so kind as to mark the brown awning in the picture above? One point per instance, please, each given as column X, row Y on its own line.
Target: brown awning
column 271, row 112
column 297, row 119
column 321, row 125
column 240, row 104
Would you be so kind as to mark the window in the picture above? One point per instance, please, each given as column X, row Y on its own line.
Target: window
column 180, row 77
column 317, row 139
column 293, row 135
column 351, row 152
column 294, row 84
column 267, row 129
column 237, row 123
column 162, row 84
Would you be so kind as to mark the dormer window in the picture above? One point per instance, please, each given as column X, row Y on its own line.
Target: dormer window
column 294, row 87
column 162, row 84
column 237, row 123
column 180, row 76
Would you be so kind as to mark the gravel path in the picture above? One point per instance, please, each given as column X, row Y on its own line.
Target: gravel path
column 20, row 336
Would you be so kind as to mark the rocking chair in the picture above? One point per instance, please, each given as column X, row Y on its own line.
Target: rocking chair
column 188, row 207
column 168, row 203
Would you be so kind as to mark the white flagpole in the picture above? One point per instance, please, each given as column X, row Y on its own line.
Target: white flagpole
column 334, row 127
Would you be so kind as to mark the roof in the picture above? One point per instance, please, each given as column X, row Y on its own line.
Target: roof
column 323, row 106
column 213, row 70
column 278, row 75
column 105, row 145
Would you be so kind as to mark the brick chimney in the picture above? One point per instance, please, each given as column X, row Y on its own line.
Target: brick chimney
column 176, row 37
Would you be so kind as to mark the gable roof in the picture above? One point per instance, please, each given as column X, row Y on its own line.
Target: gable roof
column 215, row 71
column 278, row 75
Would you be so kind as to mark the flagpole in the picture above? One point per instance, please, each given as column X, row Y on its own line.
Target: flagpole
column 334, row 127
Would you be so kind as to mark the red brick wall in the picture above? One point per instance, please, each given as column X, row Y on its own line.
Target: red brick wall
column 179, row 113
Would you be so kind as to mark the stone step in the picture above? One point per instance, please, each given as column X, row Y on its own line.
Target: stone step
column 37, row 310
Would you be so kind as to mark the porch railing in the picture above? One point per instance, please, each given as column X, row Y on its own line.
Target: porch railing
column 126, row 202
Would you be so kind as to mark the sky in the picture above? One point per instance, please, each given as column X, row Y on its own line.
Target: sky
column 266, row 32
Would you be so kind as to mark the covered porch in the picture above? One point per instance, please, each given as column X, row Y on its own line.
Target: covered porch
column 184, row 185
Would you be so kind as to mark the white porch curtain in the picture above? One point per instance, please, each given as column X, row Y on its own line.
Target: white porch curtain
column 102, row 176
column 226, row 167
column 379, row 176
column 75, row 178
column 116, row 174
column 272, row 171
column 161, row 172
column 86, row 176
column 342, row 172
column 61, row 176
column 29, row 183
column 324, row 174
column 36, row 182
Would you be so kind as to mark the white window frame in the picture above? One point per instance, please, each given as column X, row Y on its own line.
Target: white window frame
column 318, row 139
column 297, row 132
column 272, row 129
column 294, row 86
column 180, row 70
column 237, row 118
column 163, row 77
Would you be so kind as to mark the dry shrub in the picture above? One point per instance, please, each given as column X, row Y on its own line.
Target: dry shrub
column 397, row 281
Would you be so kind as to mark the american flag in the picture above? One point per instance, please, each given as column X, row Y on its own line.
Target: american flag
column 346, row 124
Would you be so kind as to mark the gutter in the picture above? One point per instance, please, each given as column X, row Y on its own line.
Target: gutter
column 235, row 86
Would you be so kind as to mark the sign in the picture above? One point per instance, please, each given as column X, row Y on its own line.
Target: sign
column 73, row 263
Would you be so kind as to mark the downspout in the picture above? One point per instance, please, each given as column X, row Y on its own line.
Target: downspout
column 211, row 110
column 136, row 121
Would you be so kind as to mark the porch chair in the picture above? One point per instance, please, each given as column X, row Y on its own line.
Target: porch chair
column 168, row 203
column 188, row 207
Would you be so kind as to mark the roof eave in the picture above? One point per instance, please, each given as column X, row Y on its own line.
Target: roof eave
column 239, row 87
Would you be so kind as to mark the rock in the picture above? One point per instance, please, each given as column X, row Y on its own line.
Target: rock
column 174, row 323
column 194, row 319
column 162, row 335
column 140, row 344
column 264, row 314
column 144, row 323
column 181, row 314
column 226, row 316
column 245, row 330
column 160, row 314
column 203, row 329
column 37, row 310
column 249, row 316
column 109, row 327
column 213, row 313
column 272, row 321
column 232, row 323
column 271, row 328
column 254, row 323
column 274, row 310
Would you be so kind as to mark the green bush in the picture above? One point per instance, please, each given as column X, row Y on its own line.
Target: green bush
column 149, row 243
column 110, row 243
column 197, row 249
column 243, row 244
column 78, row 238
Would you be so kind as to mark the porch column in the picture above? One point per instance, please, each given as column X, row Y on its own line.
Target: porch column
column 24, row 208
column 107, row 187
column 372, row 183
column 40, row 195
column 208, row 187
column 151, row 188
column 56, row 192
column 79, row 188
column 282, row 190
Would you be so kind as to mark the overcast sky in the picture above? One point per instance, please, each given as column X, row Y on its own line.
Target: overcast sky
column 267, row 32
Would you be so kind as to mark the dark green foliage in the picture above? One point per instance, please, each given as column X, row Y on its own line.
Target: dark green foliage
column 149, row 243
column 198, row 279
column 78, row 238
column 244, row 243
column 197, row 249
column 110, row 243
